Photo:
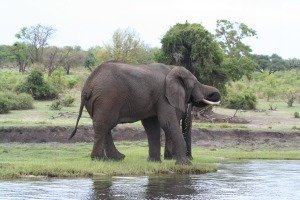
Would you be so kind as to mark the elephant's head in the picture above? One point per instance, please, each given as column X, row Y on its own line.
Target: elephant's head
column 182, row 87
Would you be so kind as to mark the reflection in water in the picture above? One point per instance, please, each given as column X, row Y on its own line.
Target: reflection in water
column 274, row 180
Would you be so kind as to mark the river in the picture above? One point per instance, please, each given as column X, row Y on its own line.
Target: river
column 255, row 179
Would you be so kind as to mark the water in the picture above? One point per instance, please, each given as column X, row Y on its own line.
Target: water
column 274, row 180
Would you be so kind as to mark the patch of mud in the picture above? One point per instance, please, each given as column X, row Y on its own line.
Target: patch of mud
column 201, row 137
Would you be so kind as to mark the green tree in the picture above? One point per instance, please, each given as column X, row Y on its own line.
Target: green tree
column 192, row 46
column 293, row 63
column 90, row 60
column 5, row 55
column 230, row 36
column 237, row 59
column 37, row 38
column 20, row 54
column 126, row 46
column 270, row 64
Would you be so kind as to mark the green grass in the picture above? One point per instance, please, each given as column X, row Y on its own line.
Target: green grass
column 73, row 160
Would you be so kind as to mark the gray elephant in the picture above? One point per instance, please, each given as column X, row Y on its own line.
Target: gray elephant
column 156, row 94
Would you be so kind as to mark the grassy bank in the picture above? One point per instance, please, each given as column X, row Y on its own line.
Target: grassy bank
column 73, row 160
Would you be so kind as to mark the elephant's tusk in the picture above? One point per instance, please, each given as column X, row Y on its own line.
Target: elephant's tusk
column 211, row 102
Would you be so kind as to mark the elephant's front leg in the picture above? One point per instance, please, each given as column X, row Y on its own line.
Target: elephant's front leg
column 170, row 125
column 152, row 129
column 110, row 149
column 187, row 130
column 169, row 152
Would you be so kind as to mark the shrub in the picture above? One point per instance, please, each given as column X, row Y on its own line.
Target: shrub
column 37, row 86
column 67, row 101
column 13, row 101
column 296, row 115
column 18, row 101
column 58, row 80
column 245, row 100
column 4, row 105
column 72, row 82
column 56, row 105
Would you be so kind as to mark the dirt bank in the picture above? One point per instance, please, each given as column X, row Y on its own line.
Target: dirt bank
column 200, row 137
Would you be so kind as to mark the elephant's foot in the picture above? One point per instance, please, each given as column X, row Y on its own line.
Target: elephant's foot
column 152, row 159
column 117, row 156
column 168, row 155
column 98, row 157
column 183, row 161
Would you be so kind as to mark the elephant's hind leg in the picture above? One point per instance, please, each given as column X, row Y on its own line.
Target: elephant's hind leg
column 110, row 149
column 152, row 129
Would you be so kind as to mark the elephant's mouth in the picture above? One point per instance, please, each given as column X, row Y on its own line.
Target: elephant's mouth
column 213, row 99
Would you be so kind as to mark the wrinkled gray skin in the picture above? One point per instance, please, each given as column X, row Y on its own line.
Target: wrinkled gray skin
column 156, row 94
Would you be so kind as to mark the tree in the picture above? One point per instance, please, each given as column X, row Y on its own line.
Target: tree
column 6, row 55
column 271, row 64
column 192, row 46
column 70, row 57
column 237, row 61
column 90, row 60
column 20, row 54
column 293, row 63
column 37, row 38
column 230, row 36
column 126, row 46
column 52, row 58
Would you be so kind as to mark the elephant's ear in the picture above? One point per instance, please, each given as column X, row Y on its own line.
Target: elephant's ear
column 179, row 85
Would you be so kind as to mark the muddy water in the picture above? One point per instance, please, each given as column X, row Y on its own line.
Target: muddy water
column 274, row 180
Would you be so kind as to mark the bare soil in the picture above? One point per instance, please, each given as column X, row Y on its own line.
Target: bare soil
column 206, row 138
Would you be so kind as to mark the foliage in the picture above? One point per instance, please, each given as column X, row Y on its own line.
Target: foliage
column 58, row 79
column 56, row 105
column 72, row 81
column 20, row 54
column 67, row 101
column 4, row 104
column 9, row 79
column 240, row 96
column 90, row 60
column 237, row 60
column 126, row 46
column 192, row 46
column 13, row 101
column 296, row 115
column 37, row 38
column 293, row 63
column 230, row 36
column 270, row 64
column 36, row 85
column 5, row 55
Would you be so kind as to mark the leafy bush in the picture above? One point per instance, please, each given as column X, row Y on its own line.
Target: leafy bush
column 8, row 79
column 4, row 105
column 67, row 101
column 244, row 100
column 56, row 105
column 58, row 79
column 37, row 86
column 296, row 115
column 13, row 101
column 72, row 82
column 18, row 101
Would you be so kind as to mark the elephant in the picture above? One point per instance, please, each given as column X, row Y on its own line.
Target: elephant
column 156, row 94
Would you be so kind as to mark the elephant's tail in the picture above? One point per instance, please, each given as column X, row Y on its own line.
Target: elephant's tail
column 83, row 98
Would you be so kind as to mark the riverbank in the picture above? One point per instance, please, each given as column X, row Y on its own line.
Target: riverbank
column 73, row 160
column 47, row 152
column 204, row 138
